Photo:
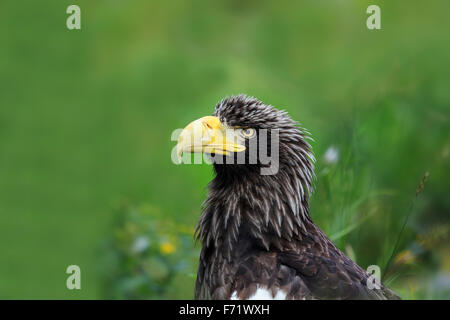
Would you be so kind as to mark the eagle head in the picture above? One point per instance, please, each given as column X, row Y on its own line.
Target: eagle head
column 247, row 137
column 264, row 171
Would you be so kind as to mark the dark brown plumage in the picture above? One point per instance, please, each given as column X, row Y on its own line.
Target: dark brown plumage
column 256, row 230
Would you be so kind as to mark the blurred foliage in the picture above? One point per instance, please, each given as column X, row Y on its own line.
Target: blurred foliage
column 86, row 118
column 356, row 215
column 149, row 256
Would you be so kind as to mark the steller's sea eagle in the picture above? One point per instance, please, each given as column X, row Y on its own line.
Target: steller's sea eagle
column 258, row 239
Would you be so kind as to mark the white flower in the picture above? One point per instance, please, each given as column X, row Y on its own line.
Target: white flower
column 331, row 155
column 140, row 244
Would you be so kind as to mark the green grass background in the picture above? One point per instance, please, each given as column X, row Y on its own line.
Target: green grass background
column 86, row 118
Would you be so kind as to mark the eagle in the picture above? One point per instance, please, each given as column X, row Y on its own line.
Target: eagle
column 258, row 238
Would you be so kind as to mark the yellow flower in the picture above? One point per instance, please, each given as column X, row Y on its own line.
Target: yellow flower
column 167, row 247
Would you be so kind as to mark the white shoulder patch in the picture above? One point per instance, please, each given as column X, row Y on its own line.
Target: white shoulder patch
column 263, row 294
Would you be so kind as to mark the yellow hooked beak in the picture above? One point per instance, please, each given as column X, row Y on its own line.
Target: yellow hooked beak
column 208, row 135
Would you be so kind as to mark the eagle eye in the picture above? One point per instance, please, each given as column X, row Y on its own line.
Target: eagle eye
column 248, row 133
